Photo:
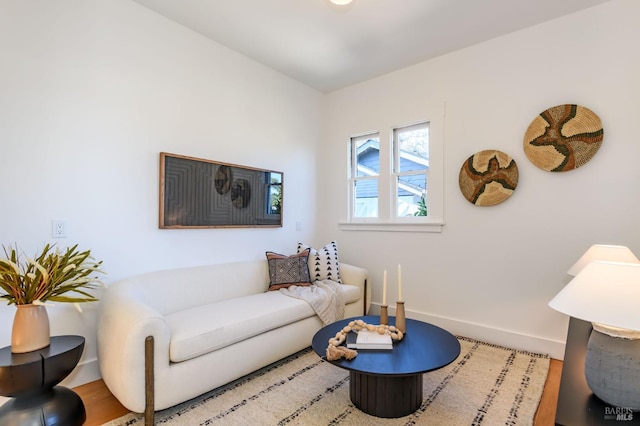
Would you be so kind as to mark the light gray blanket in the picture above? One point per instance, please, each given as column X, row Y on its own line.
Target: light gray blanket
column 325, row 297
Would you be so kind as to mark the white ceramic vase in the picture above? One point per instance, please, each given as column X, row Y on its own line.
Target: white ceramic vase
column 30, row 330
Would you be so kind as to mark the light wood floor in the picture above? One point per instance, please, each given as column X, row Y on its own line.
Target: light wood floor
column 101, row 406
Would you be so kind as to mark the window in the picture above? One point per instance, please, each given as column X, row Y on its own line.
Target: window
column 365, row 166
column 410, row 165
column 396, row 178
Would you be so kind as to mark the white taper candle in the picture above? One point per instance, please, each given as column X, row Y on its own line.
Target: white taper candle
column 399, row 283
column 384, row 289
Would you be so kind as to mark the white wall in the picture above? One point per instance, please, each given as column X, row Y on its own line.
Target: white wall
column 90, row 93
column 492, row 271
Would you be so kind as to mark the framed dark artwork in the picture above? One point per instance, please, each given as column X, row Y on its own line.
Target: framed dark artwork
column 199, row 193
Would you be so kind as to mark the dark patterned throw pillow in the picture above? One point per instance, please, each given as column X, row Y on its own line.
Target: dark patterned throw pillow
column 285, row 271
column 323, row 263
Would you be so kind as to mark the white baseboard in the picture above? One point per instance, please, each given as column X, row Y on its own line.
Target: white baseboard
column 85, row 372
column 496, row 336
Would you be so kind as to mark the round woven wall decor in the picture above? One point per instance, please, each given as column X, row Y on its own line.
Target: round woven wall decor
column 563, row 138
column 488, row 177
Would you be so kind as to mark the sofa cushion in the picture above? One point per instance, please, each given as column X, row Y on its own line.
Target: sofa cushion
column 351, row 293
column 285, row 271
column 204, row 329
column 323, row 263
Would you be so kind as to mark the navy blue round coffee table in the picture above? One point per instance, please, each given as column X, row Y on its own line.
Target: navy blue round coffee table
column 388, row 383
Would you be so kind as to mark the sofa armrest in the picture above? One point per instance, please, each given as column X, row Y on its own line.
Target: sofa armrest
column 354, row 275
column 123, row 325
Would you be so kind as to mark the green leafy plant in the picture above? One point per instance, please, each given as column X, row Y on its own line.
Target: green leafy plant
column 54, row 275
column 422, row 207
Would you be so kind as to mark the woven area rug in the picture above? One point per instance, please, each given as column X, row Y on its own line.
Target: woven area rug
column 485, row 385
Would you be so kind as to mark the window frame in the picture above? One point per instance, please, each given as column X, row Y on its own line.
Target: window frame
column 354, row 178
column 387, row 219
column 396, row 174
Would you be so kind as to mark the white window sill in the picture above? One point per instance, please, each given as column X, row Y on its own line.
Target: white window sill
column 391, row 227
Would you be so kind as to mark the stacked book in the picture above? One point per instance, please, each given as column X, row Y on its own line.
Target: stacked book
column 366, row 339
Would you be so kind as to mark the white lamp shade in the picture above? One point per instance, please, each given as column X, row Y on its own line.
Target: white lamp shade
column 603, row 292
column 603, row 252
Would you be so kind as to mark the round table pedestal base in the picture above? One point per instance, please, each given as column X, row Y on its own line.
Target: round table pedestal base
column 59, row 406
column 386, row 396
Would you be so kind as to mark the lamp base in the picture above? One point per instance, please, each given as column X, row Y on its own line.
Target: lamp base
column 612, row 369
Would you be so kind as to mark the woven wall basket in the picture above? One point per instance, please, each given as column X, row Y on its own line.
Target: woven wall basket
column 488, row 177
column 563, row 138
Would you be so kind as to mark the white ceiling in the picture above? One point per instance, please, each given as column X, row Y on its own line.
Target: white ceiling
column 329, row 47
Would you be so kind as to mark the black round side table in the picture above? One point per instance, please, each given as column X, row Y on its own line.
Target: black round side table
column 30, row 379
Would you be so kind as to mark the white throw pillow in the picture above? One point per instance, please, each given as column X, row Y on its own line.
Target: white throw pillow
column 323, row 263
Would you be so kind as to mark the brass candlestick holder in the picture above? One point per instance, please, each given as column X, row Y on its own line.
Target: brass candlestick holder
column 401, row 322
column 384, row 315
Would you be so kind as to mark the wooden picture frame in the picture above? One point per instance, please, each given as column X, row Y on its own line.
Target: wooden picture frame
column 200, row 193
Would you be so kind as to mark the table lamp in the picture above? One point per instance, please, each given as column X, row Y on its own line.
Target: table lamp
column 607, row 294
column 603, row 252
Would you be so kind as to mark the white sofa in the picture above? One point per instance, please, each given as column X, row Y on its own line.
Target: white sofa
column 209, row 325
